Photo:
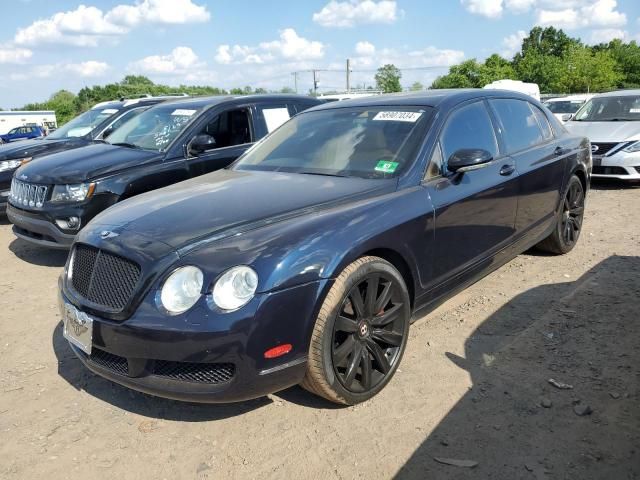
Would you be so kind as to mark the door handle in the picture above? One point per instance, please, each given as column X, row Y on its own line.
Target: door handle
column 559, row 151
column 507, row 170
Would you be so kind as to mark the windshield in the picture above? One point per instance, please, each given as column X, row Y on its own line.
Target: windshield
column 364, row 142
column 564, row 106
column 610, row 109
column 83, row 124
column 153, row 129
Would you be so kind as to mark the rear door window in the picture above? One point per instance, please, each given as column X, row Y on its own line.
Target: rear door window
column 520, row 128
column 229, row 128
column 468, row 127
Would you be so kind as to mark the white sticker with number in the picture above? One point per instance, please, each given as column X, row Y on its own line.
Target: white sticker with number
column 109, row 111
column 183, row 112
column 411, row 117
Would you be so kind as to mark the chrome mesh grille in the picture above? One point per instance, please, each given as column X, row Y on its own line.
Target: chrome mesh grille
column 103, row 278
column 27, row 195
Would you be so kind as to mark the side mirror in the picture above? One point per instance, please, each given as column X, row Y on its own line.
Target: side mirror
column 566, row 117
column 107, row 132
column 467, row 159
column 201, row 143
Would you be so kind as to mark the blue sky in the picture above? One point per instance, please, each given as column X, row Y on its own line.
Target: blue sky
column 46, row 46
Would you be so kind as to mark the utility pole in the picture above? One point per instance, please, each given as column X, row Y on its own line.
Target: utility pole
column 315, row 84
column 295, row 80
column 348, row 74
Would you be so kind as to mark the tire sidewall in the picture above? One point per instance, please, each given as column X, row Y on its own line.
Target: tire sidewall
column 375, row 265
column 567, row 248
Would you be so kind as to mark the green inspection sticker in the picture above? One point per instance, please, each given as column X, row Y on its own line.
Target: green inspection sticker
column 386, row 166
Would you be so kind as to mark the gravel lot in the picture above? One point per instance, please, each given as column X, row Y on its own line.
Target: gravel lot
column 473, row 385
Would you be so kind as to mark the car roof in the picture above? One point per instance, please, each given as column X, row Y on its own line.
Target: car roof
column 200, row 102
column 427, row 98
column 620, row 93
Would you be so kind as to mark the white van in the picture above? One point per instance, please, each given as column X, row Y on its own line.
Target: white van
column 531, row 89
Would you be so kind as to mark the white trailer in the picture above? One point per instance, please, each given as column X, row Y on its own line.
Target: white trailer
column 15, row 118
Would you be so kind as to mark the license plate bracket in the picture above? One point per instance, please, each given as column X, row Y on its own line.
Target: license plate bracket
column 77, row 327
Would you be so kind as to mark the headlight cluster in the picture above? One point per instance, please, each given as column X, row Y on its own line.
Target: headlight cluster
column 633, row 148
column 182, row 289
column 72, row 193
column 13, row 163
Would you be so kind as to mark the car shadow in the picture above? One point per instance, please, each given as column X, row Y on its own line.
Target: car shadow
column 41, row 256
column 78, row 376
column 612, row 184
column 513, row 423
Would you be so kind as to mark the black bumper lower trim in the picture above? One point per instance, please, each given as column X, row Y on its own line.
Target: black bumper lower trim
column 38, row 231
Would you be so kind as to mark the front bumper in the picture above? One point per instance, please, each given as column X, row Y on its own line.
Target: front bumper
column 35, row 228
column 621, row 166
column 205, row 356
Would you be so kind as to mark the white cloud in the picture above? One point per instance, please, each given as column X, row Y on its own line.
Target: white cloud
column 605, row 35
column 87, row 26
column 601, row 13
column 354, row 12
column 365, row 48
column 425, row 57
column 512, row 43
column 11, row 54
column 290, row 46
column 486, row 8
column 88, row 69
column 179, row 61
column 519, row 6
column 158, row 11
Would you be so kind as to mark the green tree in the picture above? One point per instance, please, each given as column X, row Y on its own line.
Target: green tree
column 586, row 70
column 416, row 87
column 388, row 79
column 495, row 68
column 627, row 57
column 545, row 70
column 287, row 90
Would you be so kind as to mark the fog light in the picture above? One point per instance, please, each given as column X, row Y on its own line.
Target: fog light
column 71, row 223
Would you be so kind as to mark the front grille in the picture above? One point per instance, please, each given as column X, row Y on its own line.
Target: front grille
column 195, row 372
column 29, row 195
column 609, row 171
column 103, row 278
column 112, row 362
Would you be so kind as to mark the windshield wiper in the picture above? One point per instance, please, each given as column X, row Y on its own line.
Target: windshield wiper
column 125, row 144
column 325, row 174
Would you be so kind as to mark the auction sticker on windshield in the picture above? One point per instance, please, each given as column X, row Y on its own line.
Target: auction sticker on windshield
column 386, row 166
column 183, row 112
column 411, row 117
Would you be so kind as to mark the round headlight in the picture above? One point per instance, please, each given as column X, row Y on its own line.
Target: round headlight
column 181, row 289
column 235, row 288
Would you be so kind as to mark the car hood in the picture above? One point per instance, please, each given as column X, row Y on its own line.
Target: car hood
column 605, row 131
column 82, row 164
column 31, row 148
column 228, row 202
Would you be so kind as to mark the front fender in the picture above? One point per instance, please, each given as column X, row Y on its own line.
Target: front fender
column 320, row 245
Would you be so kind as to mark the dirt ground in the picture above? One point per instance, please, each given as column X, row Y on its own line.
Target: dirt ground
column 473, row 385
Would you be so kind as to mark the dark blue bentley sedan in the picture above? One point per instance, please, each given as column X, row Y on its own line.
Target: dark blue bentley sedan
column 304, row 262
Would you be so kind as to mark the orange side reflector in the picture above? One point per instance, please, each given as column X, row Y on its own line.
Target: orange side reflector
column 278, row 351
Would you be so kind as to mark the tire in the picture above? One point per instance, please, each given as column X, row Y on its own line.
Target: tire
column 357, row 343
column 569, row 222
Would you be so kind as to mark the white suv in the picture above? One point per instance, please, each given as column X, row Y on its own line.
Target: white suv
column 612, row 122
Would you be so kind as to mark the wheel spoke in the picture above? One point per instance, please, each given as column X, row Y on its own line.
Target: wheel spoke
column 341, row 353
column 378, row 356
column 372, row 293
column 383, row 299
column 390, row 338
column 357, row 302
column 576, row 210
column 387, row 317
column 365, row 377
column 356, row 358
column 344, row 324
